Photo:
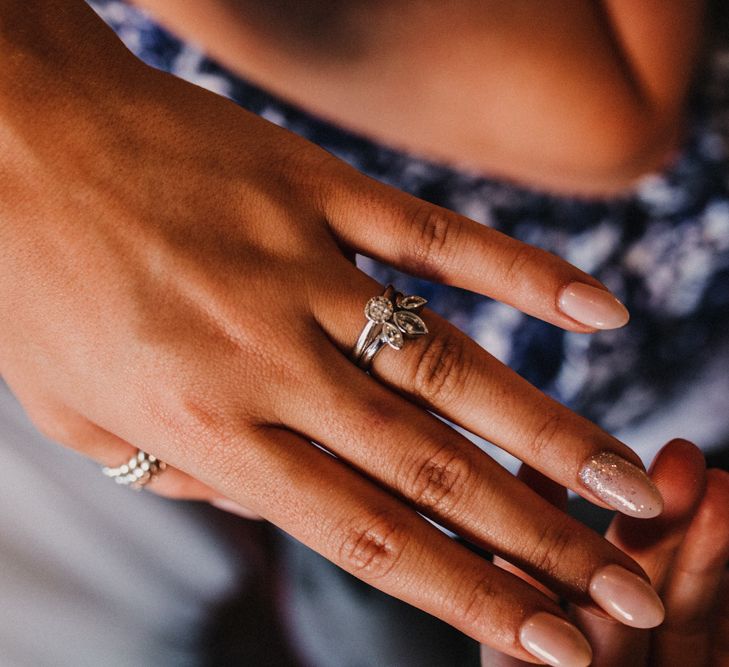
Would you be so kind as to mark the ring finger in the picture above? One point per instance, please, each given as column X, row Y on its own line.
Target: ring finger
column 449, row 373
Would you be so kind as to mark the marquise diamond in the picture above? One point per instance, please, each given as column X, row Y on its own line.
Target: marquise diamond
column 410, row 323
column 411, row 302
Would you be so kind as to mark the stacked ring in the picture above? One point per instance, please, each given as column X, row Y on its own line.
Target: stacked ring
column 391, row 319
column 139, row 471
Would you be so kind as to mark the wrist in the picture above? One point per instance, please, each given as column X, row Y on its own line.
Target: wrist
column 55, row 55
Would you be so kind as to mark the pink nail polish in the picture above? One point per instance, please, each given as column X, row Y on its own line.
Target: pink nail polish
column 592, row 306
column 555, row 641
column 627, row 597
column 621, row 485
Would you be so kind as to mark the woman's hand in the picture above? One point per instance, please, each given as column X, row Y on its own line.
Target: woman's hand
column 686, row 553
column 176, row 275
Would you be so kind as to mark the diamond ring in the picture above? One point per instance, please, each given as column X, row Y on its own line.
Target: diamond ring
column 391, row 319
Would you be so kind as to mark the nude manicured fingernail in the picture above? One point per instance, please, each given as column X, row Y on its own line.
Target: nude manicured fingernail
column 627, row 597
column 555, row 641
column 592, row 306
column 622, row 485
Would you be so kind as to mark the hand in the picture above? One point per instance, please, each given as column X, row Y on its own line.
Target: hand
column 176, row 275
column 685, row 551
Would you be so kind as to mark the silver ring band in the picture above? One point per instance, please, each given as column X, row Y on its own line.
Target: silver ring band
column 137, row 472
column 391, row 319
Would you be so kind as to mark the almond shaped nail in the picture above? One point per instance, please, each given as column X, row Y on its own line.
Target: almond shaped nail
column 622, row 485
column 592, row 306
column 555, row 641
column 627, row 597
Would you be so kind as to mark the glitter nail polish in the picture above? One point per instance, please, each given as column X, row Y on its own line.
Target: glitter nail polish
column 622, row 485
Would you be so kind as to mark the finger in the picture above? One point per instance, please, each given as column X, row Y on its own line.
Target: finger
column 429, row 241
column 370, row 534
column 557, row 496
column 690, row 592
column 449, row 373
column 613, row 643
column 720, row 630
column 493, row 658
column 70, row 429
column 553, row 493
column 678, row 470
column 170, row 483
column 443, row 475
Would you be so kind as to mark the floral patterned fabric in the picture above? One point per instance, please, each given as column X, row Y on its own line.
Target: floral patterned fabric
column 664, row 249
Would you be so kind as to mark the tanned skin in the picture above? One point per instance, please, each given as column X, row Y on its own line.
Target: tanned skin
column 573, row 96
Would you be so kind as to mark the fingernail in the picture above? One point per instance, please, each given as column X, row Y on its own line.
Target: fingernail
column 622, row 485
column 234, row 508
column 555, row 641
column 592, row 306
column 627, row 597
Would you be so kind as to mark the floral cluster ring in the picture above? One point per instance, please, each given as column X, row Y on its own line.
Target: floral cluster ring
column 391, row 319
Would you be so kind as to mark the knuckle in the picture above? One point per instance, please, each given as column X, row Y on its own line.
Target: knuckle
column 434, row 239
column 479, row 601
column 546, row 435
column 373, row 546
column 548, row 552
column 440, row 481
column 520, row 263
column 191, row 421
column 443, row 368
column 377, row 416
column 712, row 513
column 370, row 418
column 202, row 415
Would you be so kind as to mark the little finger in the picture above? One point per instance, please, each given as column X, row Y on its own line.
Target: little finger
column 691, row 589
column 446, row 477
column 369, row 533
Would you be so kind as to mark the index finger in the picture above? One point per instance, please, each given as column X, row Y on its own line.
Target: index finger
column 437, row 244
